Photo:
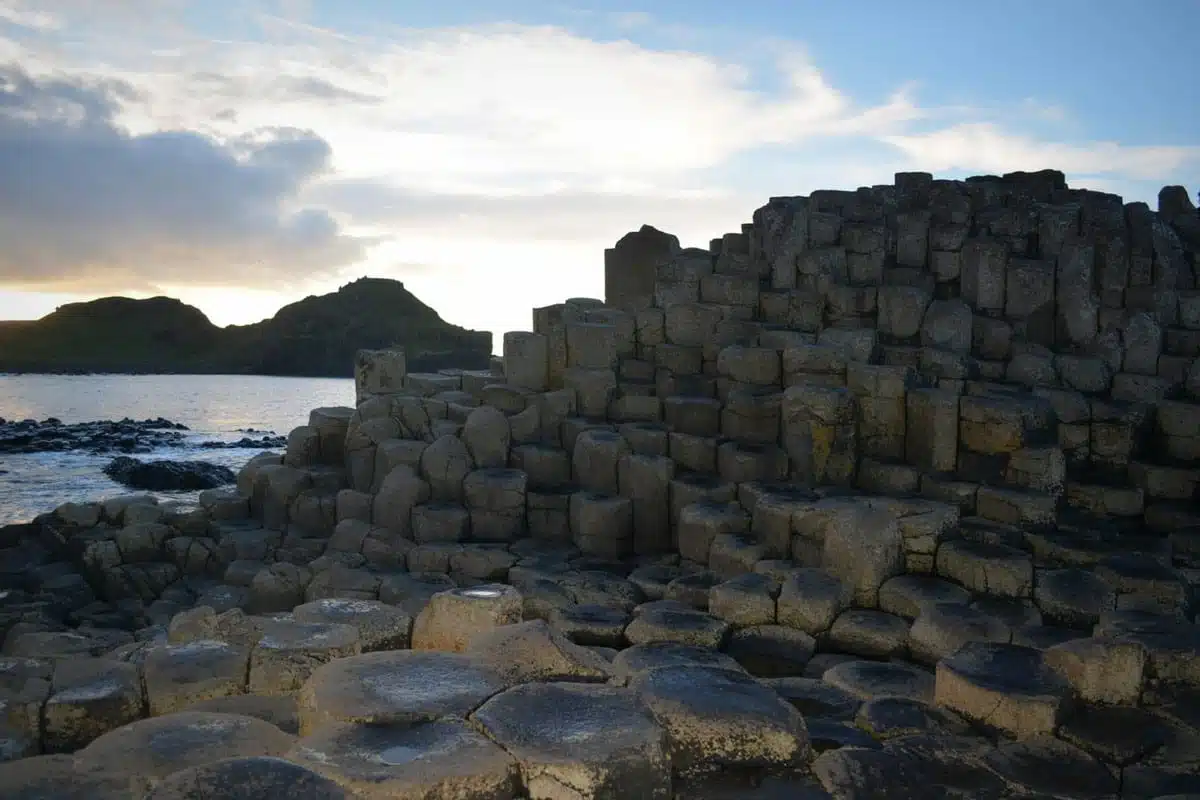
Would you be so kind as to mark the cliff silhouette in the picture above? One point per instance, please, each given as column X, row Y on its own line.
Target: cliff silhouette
column 314, row 337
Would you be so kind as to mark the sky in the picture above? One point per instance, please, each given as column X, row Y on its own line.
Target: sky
column 243, row 154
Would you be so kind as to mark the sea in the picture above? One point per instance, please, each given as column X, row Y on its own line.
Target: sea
column 213, row 407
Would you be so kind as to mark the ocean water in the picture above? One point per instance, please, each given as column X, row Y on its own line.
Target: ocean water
column 214, row 407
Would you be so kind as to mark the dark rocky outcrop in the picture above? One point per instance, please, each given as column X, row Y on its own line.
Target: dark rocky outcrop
column 104, row 436
column 107, row 436
column 168, row 476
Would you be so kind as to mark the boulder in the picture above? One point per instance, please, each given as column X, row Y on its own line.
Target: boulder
column 168, row 476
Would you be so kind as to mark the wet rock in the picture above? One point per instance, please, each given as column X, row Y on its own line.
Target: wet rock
column 105, row 436
column 168, row 476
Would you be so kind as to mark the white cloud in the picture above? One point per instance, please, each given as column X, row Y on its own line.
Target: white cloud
column 502, row 158
column 16, row 14
column 984, row 146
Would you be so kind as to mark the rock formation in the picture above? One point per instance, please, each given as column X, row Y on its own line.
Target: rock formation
column 891, row 494
column 315, row 337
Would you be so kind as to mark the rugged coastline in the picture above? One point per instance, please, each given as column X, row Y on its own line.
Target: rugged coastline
column 894, row 493
column 315, row 337
column 108, row 436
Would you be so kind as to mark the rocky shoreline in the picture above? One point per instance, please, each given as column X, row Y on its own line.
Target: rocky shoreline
column 125, row 436
column 755, row 529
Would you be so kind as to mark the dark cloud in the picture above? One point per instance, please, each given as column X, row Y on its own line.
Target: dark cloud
column 87, row 204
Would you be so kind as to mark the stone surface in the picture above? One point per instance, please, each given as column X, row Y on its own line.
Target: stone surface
column 452, row 618
column 580, row 740
column 439, row 760
column 717, row 718
column 247, row 779
column 402, row 687
column 1005, row 687
column 152, row 749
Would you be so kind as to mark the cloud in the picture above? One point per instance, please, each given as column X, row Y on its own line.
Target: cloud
column 15, row 14
column 501, row 155
column 87, row 204
column 564, row 215
column 987, row 147
column 443, row 108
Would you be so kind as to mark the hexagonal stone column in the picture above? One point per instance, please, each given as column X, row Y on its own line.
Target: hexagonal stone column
column 1004, row 686
column 720, row 718
column 452, row 618
column 289, row 651
column 434, row 760
column 60, row 776
column 380, row 626
column 179, row 675
column 576, row 740
column 247, row 779
column 151, row 749
column 89, row 697
column 398, row 686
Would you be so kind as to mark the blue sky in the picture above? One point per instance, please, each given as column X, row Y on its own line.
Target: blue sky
column 241, row 155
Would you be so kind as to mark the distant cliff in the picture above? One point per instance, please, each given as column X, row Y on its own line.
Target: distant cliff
column 317, row 336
